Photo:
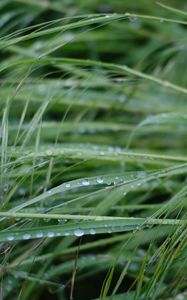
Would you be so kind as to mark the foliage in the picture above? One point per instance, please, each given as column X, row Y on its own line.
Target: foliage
column 93, row 150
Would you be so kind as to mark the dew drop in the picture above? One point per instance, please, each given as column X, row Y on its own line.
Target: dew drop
column 66, row 233
column 62, row 221
column 85, row 182
column 5, row 188
column 99, row 180
column 50, row 234
column 39, row 234
column 68, row 37
column 69, row 83
column 26, row 236
column 132, row 18
column 142, row 174
column 21, row 192
column 82, row 130
column 48, row 152
column 10, row 238
column 110, row 149
column 67, row 185
column 118, row 150
column 42, row 89
column 122, row 98
column 79, row 232
column 92, row 231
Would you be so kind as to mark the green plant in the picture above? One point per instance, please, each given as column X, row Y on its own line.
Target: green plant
column 93, row 150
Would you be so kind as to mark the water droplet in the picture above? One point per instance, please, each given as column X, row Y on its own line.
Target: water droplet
column 99, row 180
column 145, row 184
column 67, row 185
column 79, row 232
column 85, row 182
column 82, row 130
column 42, row 89
column 67, row 37
column 21, row 192
column 39, row 234
column 62, row 221
column 69, row 83
column 26, row 236
column 66, row 233
column 132, row 17
column 5, row 187
column 125, row 193
column 49, row 192
column 50, row 234
column 92, row 231
column 49, row 153
column 10, row 238
column 37, row 45
column 142, row 174
column 118, row 150
column 110, row 149
column 122, row 98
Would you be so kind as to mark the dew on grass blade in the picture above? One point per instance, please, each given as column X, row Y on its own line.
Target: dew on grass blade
column 21, row 192
column 39, row 234
column 85, row 182
column 26, row 236
column 5, row 187
column 122, row 98
column 49, row 153
column 50, row 234
column 78, row 232
column 10, row 237
column 62, row 221
column 99, row 180
column 132, row 17
column 92, row 231
column 67, row 37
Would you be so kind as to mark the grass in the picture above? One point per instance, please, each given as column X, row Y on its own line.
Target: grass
column 93, row 150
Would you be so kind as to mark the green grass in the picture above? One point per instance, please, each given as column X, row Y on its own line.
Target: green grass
column 93, row 150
